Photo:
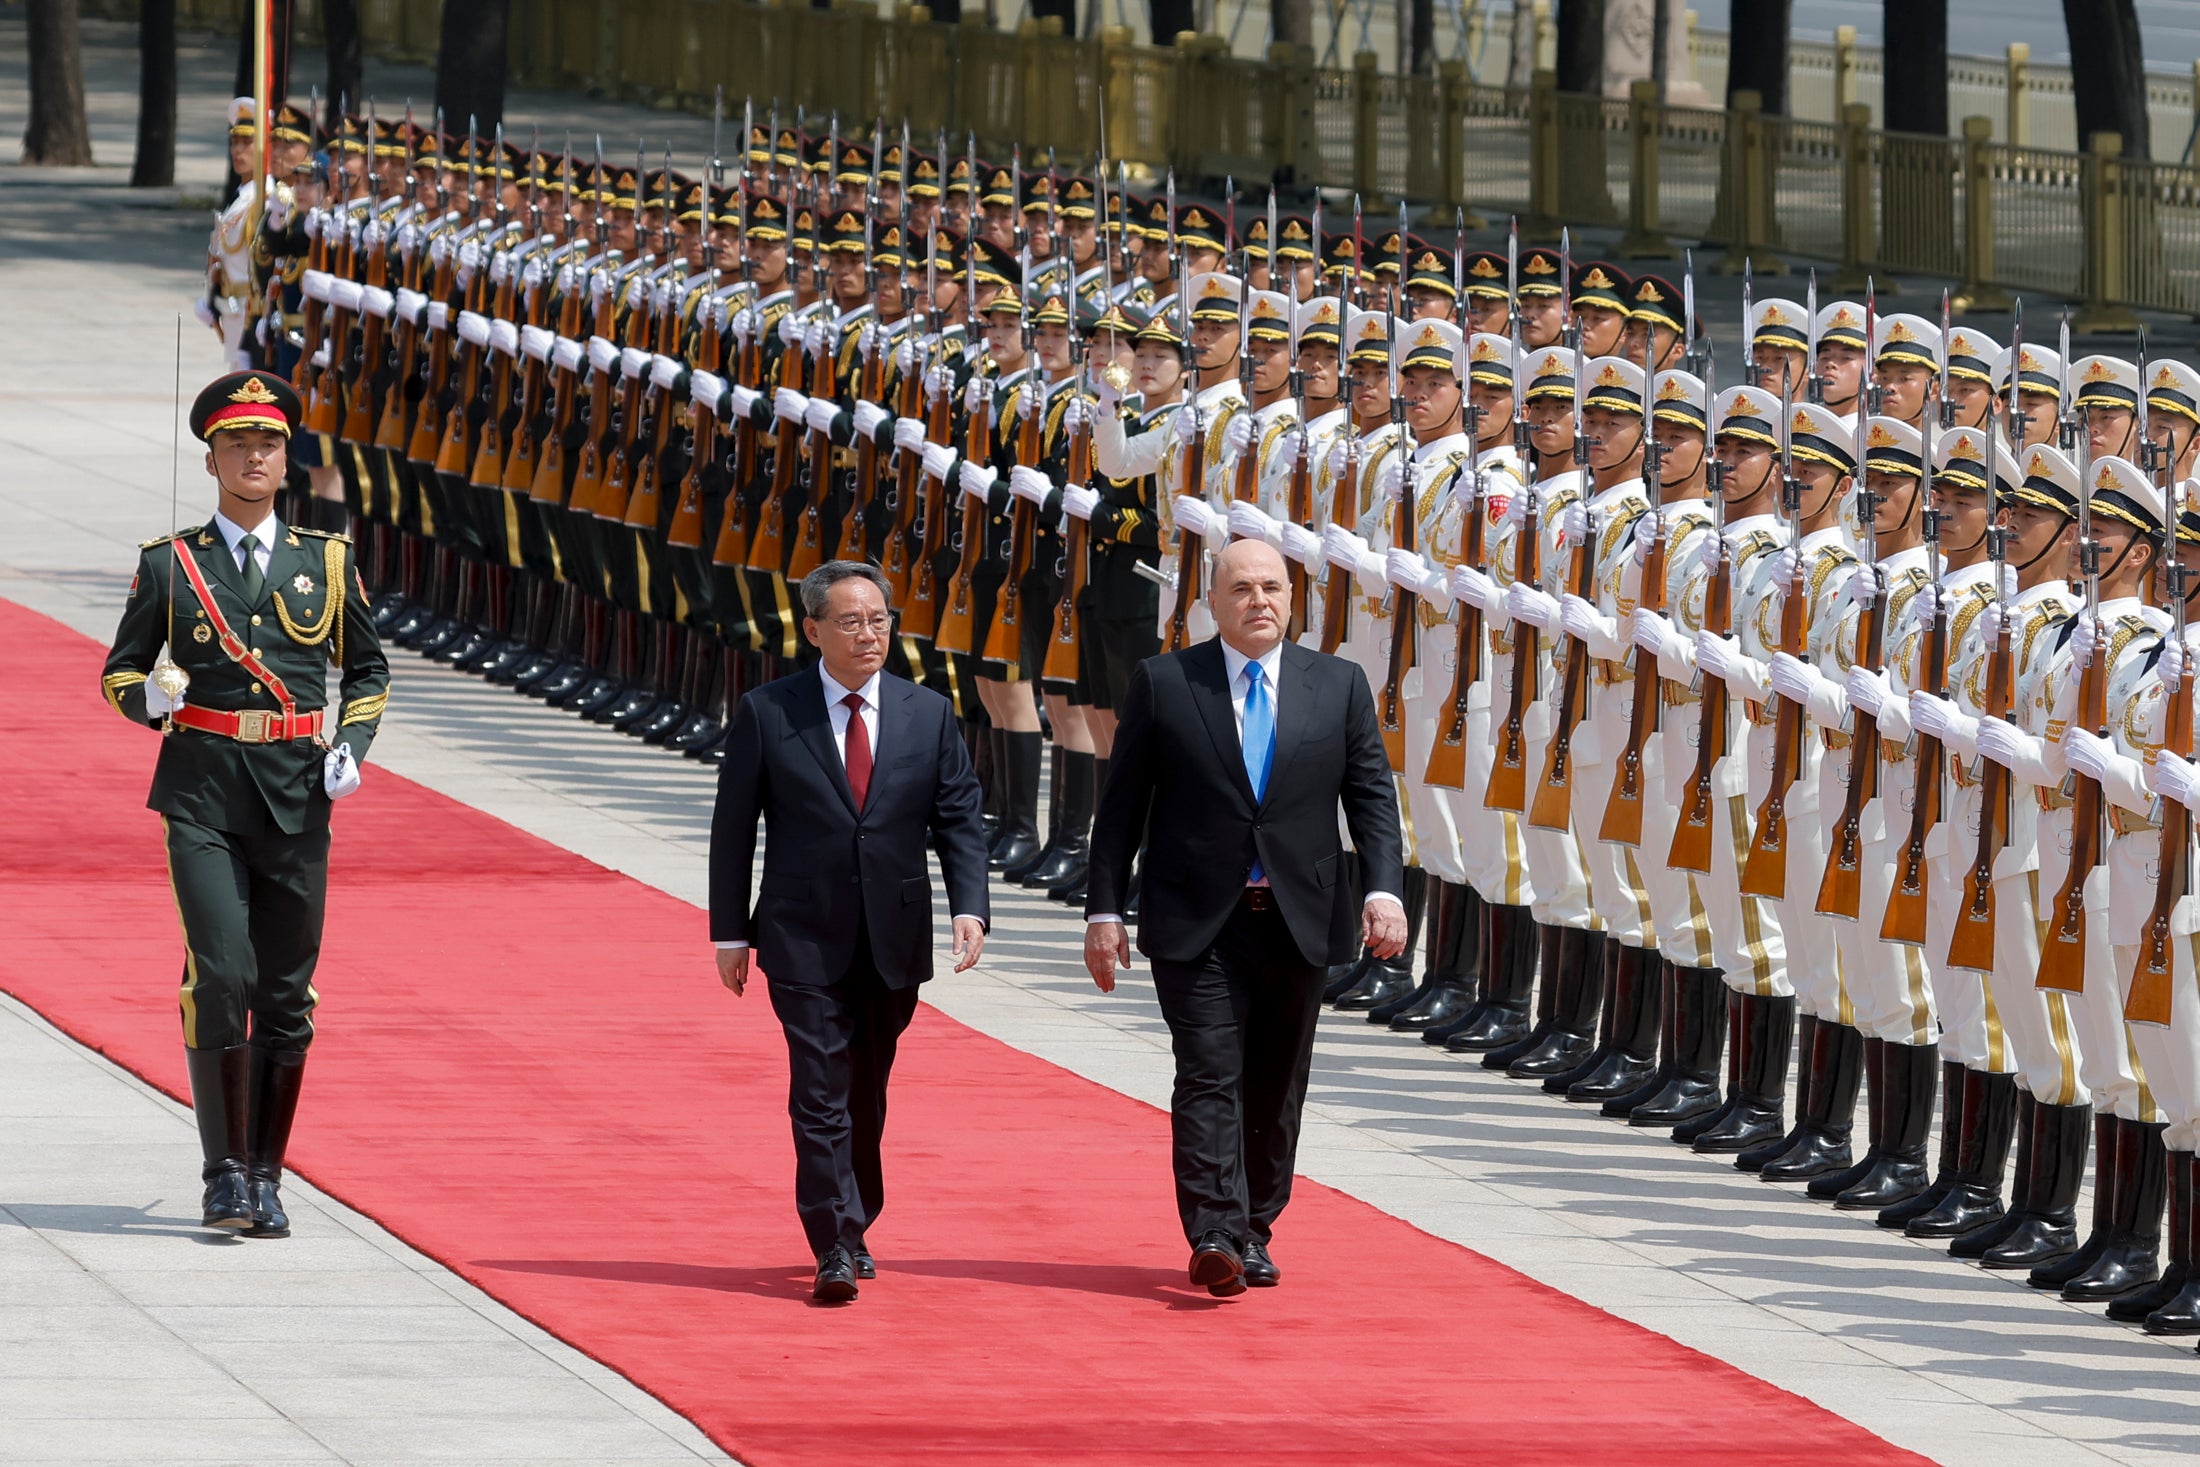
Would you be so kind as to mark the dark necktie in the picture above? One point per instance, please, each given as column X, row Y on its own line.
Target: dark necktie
column 858, row 745
column 249, row 568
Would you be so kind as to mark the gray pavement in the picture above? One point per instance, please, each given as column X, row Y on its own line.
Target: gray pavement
column 113, row 1345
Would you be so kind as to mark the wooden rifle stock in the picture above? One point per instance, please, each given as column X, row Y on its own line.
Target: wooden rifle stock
column 1191, row 549
column 427, row 425
column 686, row 530
column 1390, row 708
column 1447, row 759
column 451, row 453
column 1692, row 833
column 2062, row 929
column 1337, row 589
column 957, row 625
column 907, row 468
column 646, row 507
column 738, row 524
column 809, row 546
column 1971, row 945
column 1508, row 783
column 925, row 601
column 303, row 374
column 1622, row 824
column 595, row 426
column 358, row 419
column 1299, row 504
column 1764, row 873
column 1841, row 889
column 326, row 405
column 1004, row 639
column 488, row 472
column 1062, row 646
column 548, row 486
column 1554, row 797
column 1905, row 920
column 2148, row 1001
column 855, row 538
column 393, row 425
column 618, row 459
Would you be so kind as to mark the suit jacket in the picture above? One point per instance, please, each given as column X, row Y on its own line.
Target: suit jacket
column 829, row 869
column 311, row 614
column 1177, row 778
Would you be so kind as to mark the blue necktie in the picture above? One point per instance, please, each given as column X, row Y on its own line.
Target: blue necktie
column 1259, row 740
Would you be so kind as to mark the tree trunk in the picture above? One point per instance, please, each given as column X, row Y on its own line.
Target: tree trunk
column 155, row 164
column 1170, row 16
column 2108, row 73
column 1294, row 21
column 1917, row 66
column 346, row 60
column 1757, row 54
column 469, row 70
column 1581, row 46
column 58, row 135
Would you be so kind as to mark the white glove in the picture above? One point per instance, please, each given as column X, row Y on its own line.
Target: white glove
column 937, row 381
column 1029, row 484
column 1716, row 655
column 1105, row 396
column 531, row 276
column 504, row 337
column 909, row 434
column 1868, row 690
column 976, row 479
column 599, row 285
column 634, row 296
column 705, row 389
column 1074, row 417
column 316, row 219
column 633, row 363
column 1078, row 502
column 819, row 415
column 1404, row 569
column 1237, row 436
column 1248, row 522
column 439, row 316
column 1342, row 549
column 1573, row 526
column 1937, row 718
column 1708, row 552
column 2010, row 746
column 1300, row 544
column 567, row 353
column 2082, row 639
column 1475, row 588
column 1783, row 567
column 1187, row 426
column 205, row 313
column 469, row 253
column 664, row 371
column 1390, row 481
column 745, row 400
column 376, row 301
column 1526, row 603
column 1193, row 516
column 790, row 329
column 278, row 210
column 344, row 294
column 938, row 459
column 1516, row 510
column 339, row 772
column 1340, row 456
column 320, row 357
column 788, row 405
column 603, row 356
column 869, row 417
column 314, row 284
column 2172, row 663
column 1287, row 446
column 473, row 328
column 2173, row 777
column 158, row 702
column 2089, row 753
column 743, row 325
column 905, row 356
column 1650, row 631
column 1792, row 678
column 1989, row 624
column 975, row 393
column 535, row 343
column 820, row 337
column 500, row 267
column 1582, row 621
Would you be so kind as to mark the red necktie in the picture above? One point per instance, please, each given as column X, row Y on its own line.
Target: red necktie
column 858, row 745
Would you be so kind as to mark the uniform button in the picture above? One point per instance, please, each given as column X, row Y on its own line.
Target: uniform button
column 255, row 619
column 255, row 687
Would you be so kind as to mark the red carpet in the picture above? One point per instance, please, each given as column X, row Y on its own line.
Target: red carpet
column 527, row 1069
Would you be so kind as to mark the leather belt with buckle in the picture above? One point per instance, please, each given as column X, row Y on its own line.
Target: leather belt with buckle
column 1259, row 899
column 250, row 725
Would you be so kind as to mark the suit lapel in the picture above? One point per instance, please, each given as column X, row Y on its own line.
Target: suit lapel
column 1209, row 678
column 1294, row 706
column 815, row 727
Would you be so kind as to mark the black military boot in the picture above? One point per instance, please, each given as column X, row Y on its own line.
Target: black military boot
column 1989, row 1120
column 1669, row 1045
column 1040, row 855
column 1637, row 991
column 1768, row 1033
column 1955, row 1096
column 2133, row 1257
column 2043, row 1228
column 2177, row 1280
column 2108, row 1136
column 1020, row 825
column 1806, row 1055
column 1607, row 1009
column 988, row 755
column 1446, row 907
column 1458, row 978
column 1899, row 1173
column 2179, row 1314
column 1387, row 978
column 1578, row 988
column 1500, row 1017
column 1070, row 836
column 276, row 1076
column 218, row 1101
column 1699, row 1032
column 1553, row 946
column 1836, row 1073
column 1686, row 1132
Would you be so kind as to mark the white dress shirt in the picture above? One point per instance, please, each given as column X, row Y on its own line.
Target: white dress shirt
column 1234, row 664
column 264, row 534
column 838, row 711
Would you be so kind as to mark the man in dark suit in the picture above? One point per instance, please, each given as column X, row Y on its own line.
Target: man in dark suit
column 1231, row 759
column 854, row 773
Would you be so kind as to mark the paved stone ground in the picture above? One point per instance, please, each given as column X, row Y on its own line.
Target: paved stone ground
column 110, row 1348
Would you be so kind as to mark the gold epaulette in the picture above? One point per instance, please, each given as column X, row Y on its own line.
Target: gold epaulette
column 171, row 535
column 319, row 534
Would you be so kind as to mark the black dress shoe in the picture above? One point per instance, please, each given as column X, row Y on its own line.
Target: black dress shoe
column 1260, row 1270
column 866, row 1269
column 1217, row 1266
column 227, row 1204
column 836, row 1277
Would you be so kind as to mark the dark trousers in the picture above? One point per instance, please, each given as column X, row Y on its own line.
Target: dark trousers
column 1241, row 1022
column 251, row 908
column 841, row 1039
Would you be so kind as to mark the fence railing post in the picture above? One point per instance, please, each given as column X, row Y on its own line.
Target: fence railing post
column 2017, row 95
column 1453, row 81
column 1978, row 292
column 1748, row 186
column 2100, row 188
column 1645, row 238
column 1542, row 221
column 1844, row 68
column 1294, row 92
column 1859, row 217
column 1366, row 114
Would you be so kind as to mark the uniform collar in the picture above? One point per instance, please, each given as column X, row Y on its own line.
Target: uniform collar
column 269, row 534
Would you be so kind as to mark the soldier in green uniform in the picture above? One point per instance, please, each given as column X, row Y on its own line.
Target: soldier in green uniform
column 251, row 612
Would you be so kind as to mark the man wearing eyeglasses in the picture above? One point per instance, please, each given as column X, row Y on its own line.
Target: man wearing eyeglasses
column 853, row 773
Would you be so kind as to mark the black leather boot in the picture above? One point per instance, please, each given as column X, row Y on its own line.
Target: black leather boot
column 1768, row 1033
column 2107, row 1136
column 1020, row 828
column 218, row 1104
column 276, row 1077
column 1458, row 979
column 1044, row 853
column 1637, row 989
column 2179, row 1312
column 1806, row 1055
column 1899, row 1173
column 2044, row 1225
column 1686, row 1132
column 1692, row 1092
column 1828, row 1185
column 1955, row 1097
column 1389, row 978
column 989, row 757
column 2133, row 1257
column 2176, row 1279
column 1440, row 926
column 1552, row 945
column 1071, row 833
column 1989, row 1120
column 1345, row 977
column 1579, row 992
column 1835, row 1076
column 1661, row 1072
column 1600, row 1040
column 1508, row 953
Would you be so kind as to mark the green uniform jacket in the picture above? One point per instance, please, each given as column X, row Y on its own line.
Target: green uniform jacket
column 295, row 631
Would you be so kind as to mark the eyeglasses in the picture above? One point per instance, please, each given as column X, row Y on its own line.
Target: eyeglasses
column 879, row 622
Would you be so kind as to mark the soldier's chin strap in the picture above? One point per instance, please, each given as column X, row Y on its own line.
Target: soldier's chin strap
column 2048, row 549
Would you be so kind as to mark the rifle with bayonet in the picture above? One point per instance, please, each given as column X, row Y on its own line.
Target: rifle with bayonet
column 596, row 425
column 2149, row 1000
column 644, row 509
column 1447, row 759
column 809, row 546
column 1507, row 788
column 358, row 417
column 1623, row 807
column 1553, row 808
column 488, row 472
column 1004, row 639
column 618, row 463
column 1764, row 872
column 1192, row 475
column 1344, row 500
column 391, row 421
column 1840, row 890
column 1405, row 606
column 1692, row 831
column 957, row 630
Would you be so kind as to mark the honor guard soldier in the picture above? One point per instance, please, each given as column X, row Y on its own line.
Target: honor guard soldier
column 253, row 755
column 1906, row 367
